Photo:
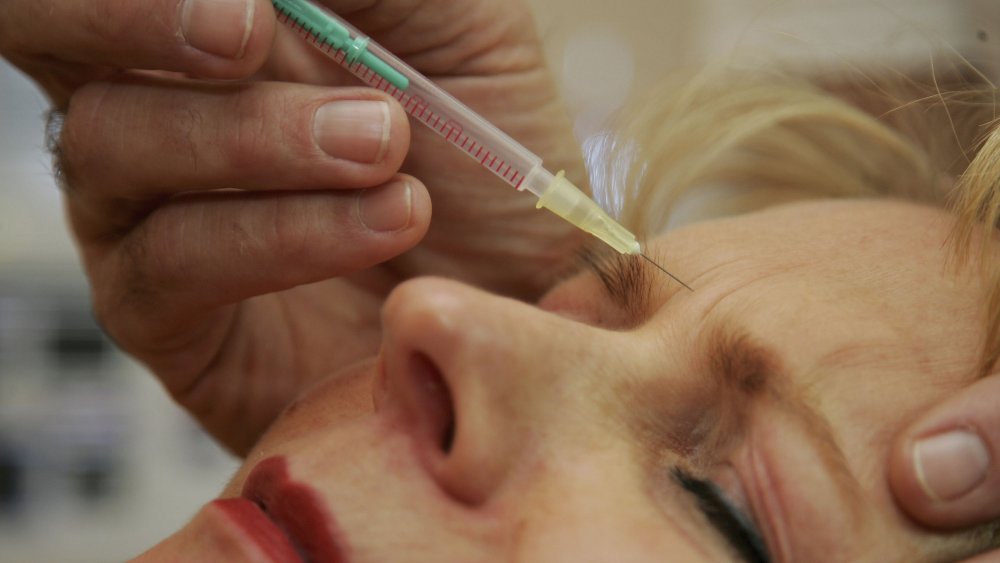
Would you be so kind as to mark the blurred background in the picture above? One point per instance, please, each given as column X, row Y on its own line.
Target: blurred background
column 96, row 464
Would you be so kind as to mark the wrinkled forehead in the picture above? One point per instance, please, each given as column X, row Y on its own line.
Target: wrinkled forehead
column 865, row 246
column 835, row 278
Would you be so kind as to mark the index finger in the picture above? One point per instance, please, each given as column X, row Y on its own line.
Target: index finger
column 209, row 38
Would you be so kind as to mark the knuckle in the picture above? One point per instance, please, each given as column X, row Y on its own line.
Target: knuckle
column 133, row 271
column 77, row 151
column 184, row 135
column 112, row 22
column 253, row 124
column 158, row 250
column 290, row 230
column 264, row 126
column 107, row 320
column 109, row 309
column 120, row 291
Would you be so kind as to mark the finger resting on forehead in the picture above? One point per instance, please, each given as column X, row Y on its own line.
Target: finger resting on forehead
column 146, row 140
column 207, row 38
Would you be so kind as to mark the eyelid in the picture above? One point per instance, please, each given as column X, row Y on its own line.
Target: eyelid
column 732, row 523
column 729, row 482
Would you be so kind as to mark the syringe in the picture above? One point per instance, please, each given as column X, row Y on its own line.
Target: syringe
column 427, row 103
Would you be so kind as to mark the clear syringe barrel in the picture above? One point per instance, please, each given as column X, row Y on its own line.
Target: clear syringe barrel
column 427, row 103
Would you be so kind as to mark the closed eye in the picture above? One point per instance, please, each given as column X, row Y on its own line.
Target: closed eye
column 738, row 530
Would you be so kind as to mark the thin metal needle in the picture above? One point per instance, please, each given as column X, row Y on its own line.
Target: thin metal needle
column 661, row 268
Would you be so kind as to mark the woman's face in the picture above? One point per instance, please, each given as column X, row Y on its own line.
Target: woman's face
column 630, row 420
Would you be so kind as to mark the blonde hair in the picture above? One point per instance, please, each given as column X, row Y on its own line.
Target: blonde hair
column 767, row 138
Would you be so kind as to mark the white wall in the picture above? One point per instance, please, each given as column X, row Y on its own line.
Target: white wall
column 603, row 51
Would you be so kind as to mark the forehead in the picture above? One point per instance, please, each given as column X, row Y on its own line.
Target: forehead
column 832, row 277
column 829, row 235
column 854, row 298
column 847, row 253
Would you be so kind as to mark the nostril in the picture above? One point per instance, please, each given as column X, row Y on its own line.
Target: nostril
column 449, row 437
column 434, row 402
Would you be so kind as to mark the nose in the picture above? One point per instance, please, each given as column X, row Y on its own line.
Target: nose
column 471, row 375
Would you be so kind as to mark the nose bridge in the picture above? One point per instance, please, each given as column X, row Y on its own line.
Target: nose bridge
column 509, row 371
column 483, row 340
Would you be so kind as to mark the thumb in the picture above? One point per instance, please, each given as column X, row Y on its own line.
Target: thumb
column 944, row 470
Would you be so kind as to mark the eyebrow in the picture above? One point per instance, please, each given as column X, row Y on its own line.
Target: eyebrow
column 745, row 369
column 743, row 372
column 627, row 279
column 742, row 366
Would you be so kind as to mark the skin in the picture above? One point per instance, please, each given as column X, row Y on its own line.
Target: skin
column 233, row 298
column 570, row 414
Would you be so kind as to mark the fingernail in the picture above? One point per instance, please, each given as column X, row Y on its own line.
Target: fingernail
column 353, row 130
column 219, row 27
column 387, row 208
column 950, row 464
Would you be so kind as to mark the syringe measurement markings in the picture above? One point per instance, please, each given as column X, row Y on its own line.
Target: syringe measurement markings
column 411, row 104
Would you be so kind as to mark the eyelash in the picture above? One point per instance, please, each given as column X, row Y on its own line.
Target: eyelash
column 736, row 527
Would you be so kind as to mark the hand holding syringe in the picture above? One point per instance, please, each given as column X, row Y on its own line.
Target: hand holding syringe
column 427, row 103
column 214, row 183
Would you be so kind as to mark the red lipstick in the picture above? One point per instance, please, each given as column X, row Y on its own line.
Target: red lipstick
column 297, row 509
column 265, row 534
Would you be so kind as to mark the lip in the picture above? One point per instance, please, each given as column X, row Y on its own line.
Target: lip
column 295, row 509
column 258, row 529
